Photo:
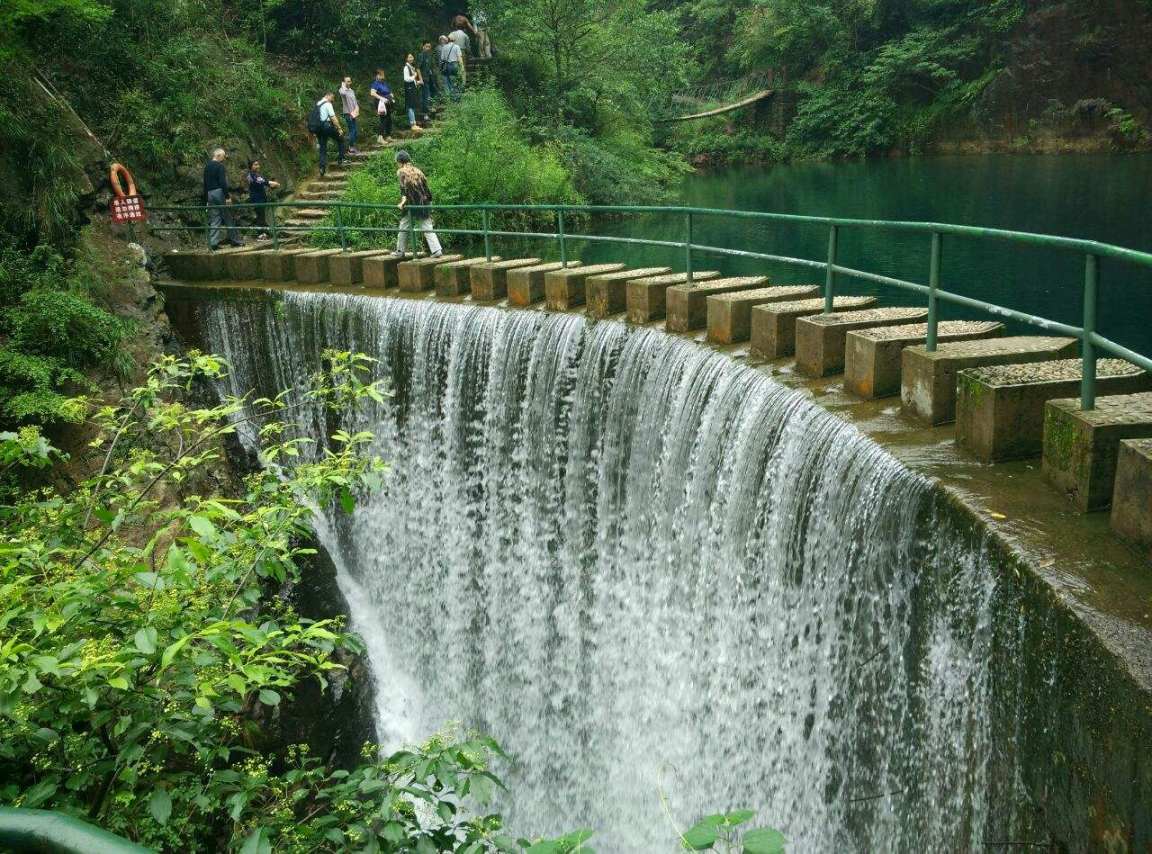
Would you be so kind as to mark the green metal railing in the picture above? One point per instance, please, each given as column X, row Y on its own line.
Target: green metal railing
column 1091, row 341
column 44, row 831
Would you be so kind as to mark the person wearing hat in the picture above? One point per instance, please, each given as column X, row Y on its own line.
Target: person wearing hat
column 414, row 195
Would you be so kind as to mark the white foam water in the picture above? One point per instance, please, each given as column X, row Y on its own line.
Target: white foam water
column 646, row 570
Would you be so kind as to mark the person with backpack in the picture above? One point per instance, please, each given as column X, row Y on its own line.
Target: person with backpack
column 414, row 195
column 258, row 187
column 323, row 124
column 351, row 113
column 382, row 94
column 451, row 59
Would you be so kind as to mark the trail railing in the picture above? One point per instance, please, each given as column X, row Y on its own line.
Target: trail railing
column 346, row 220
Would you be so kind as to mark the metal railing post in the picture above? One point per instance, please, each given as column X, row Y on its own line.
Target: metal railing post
column 688, row 247
column 830, row 278
column 1087, row 347
column 340, row 228
column 413, row 247
column 208, row 226
column 275, row 227
column 560, row 232
column 933, row 286
column 487, row 237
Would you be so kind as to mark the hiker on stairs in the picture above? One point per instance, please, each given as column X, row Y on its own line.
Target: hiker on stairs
column 414, row 195
column 351, row 113
column 451, row 64
column 426, row 63
column 324, row 124
column 412, row 85
column 382, row 95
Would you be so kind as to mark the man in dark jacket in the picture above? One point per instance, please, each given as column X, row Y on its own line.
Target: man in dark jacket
column 217, row 196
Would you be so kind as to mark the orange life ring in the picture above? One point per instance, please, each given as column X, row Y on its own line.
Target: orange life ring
column 120, row 172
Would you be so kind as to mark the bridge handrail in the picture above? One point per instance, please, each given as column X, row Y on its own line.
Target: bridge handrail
column 1090, row 339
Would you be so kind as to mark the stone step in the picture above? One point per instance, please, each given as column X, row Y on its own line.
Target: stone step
column 774, row 324
column 1081, row 448
column 729, row 315
column 452, row 279
column 564, row 289
column 928, row 380
column 347, row 268
column 687, row 305
column 307, row 214
column 820, row 338
column 1132, row 495
column 200, row 265
column 1000, row 408
column 419, row 274
column 280, row 266
column 647, row 299
column 526, row 284
column 312, row 267
column 607, row 293
column 490, row 280
column 872, row 356
column 381, row 271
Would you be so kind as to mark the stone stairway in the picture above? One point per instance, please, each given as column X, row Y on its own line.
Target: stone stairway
column 1010, row 397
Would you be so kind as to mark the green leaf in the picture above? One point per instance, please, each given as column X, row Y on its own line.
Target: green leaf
column 269, row 697
column 701, row 836
column 347, row 502
column 394, row 832
column 173, row 650
column 446, row 811
column 118, row 682
column 39, row 793
column 203, row 527
column 764, row 840
column 257, row 843
column 145, row 640
column 734, row 819
column 160, row 805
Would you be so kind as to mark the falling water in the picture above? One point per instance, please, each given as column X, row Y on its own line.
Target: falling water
column 652, row 573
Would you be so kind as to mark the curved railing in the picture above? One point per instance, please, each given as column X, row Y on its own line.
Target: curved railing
column 1091, row 341
column 44, row 831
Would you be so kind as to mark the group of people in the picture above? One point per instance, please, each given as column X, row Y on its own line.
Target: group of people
column 436, row 71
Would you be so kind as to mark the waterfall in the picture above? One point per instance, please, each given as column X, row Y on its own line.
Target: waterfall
column 654, row 574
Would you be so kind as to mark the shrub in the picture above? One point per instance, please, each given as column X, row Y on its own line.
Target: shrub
column 65, row 326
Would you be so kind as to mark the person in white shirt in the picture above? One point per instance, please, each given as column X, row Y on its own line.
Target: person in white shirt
column 451, row 59
column 329, row 129
column 412, row 83
column 351, row 113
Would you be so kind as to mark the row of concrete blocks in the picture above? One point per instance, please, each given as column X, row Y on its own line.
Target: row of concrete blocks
column 1011, row 397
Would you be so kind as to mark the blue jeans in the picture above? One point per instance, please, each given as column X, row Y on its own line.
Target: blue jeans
column 451, row 69
column 353, row 130
column 426, row 95
column 327, row 133
column 220, row 219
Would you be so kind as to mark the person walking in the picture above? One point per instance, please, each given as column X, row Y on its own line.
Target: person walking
column 411, row 90
column 351, row 113
column 450, row 61
column 218, row 198
column 426, row 63
column 414, row 199
column 328, row 128
column 258, row 187
column 459, row 37
column 382, row 94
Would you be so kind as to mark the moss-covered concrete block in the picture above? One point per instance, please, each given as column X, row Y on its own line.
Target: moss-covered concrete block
column 647, row 299
column 526, row 284
column 774, row 324
column 347, row 268
column 490, row 281
column 729, row 315
column 243, row 266
column 197, row 265
column 452, row 279
column 687, row 305
column 419, row 274
column 1000, row 409
column 312, row 267
column 1132, row 493
column 564, row 289
column 379, row 271
column 607, row 293
column 820, row 338
column 1080, row 448
column 280, row 266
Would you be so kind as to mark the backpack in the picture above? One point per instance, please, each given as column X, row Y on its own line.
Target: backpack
column 314, row 123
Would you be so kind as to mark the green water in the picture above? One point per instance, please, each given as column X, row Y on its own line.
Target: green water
column 1105, row 198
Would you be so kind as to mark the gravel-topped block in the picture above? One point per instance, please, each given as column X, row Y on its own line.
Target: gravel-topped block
column 452, row 278
column 872, row 357
column 1000, row 408
column 646, row 299
column 928, row 379
column 730, row 314
column 490, row 281
column 348, row 268
column 380, row 271
column 526, row 284
column 564, row 289
column 607, row 293
column 1080, row 448
column 821, row 338
column 419, row 273
column 687, row 305
column 774, row 323
column 1132, row 494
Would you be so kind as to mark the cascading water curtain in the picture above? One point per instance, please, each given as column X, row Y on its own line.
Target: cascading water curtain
column 651, row 572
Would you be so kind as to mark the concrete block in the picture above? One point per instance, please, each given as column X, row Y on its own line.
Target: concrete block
column 647, row 299
column 419, row 274
column 280, row 266
column 1132, row 495
column 1000, row 409
column 687, row 305
column 526, row 284
column 564, row 289
column 379, row 271
column 1080, row 448
column 243, row 266
column 452, row 279
column 872, row 356
column 312, row 267
column 928, row 380
column 729, row 315
column 774, row 323
column 607, row 293
column 490, row 281
column 197, row 265
column 347, row 268
column 820, row 338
